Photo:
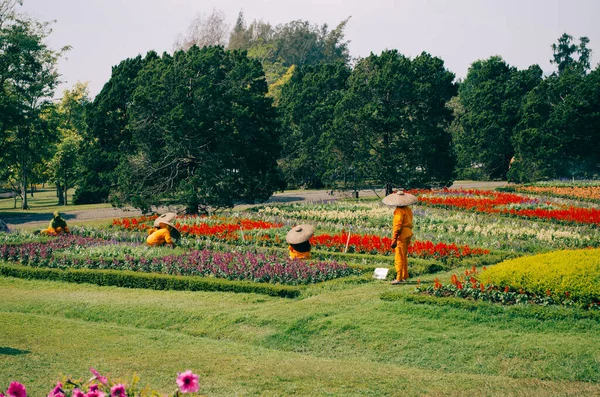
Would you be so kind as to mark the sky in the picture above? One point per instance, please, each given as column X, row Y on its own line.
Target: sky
column 102, row 33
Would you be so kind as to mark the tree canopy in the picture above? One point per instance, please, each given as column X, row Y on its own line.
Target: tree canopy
column 204, row 133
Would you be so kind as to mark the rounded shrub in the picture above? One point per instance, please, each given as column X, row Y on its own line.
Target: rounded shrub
column 566, row 275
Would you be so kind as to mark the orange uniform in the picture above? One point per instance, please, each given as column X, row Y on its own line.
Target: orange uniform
column 401, row 236
column 297, row 254
column 160, row 237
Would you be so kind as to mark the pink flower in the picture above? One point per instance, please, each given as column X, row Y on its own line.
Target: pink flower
column 97, row 375
column 118, row 391
column 188, row 382
column 15, row 389
column 78, row 393
column 94, row 392
column 57, row 391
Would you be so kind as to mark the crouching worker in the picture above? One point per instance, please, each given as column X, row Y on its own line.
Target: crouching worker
column 164, row 232
column 56, row 226
column 299, row 241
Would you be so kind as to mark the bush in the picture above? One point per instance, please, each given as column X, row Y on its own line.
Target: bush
column 129, row 279
column 571, row 274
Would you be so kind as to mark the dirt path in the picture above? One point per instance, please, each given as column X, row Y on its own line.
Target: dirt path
column 40, row 220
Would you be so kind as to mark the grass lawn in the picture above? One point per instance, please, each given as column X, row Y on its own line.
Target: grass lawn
column 43, row 201
column 346, row 341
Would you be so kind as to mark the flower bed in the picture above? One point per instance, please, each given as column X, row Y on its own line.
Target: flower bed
column 518, row 288
column 587, row 193
column 226, row 265
column 101, row 386
column 371, row 244
column 503, row 203
column 223, row 228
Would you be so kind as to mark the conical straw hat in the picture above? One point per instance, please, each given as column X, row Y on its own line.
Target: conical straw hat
column 166, row 218
column 300, row 234
column 399, row 199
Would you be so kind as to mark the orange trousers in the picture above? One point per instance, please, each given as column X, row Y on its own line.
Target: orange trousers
column 401, row 259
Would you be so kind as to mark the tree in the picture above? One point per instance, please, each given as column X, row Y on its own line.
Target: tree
column 558, row 135
column 28, row 77
column 71, row 126
column 296, row 43
column 211, row 30
column 490, row 99
column 558, row 132
column 565, row 49
column 391, row 125
column 204, row 133
column 107, row 137
column 307, row 106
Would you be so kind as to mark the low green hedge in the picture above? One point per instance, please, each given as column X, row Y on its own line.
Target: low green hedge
column 129, row 279
column 494, row 309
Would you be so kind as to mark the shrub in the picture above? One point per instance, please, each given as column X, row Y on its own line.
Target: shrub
column 570, row 274
column 129, row 279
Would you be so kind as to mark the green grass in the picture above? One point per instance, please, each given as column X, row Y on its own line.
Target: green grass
column 342, row 341
column 43, row 201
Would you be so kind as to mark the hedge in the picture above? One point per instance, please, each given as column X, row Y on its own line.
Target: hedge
column 129, row 279
column 488, row 308
column 572, row 274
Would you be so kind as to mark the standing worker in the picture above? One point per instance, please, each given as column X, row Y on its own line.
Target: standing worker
column 401, row 231
column 299, row 241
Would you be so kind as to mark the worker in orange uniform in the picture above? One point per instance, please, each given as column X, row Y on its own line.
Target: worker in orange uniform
column 165, row 233
column 299, row 241
column 401, row 231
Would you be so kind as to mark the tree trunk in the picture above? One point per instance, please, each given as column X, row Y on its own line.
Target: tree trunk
column 24, row 205
column 66, row 185
column 32, row 188
column 59, row 194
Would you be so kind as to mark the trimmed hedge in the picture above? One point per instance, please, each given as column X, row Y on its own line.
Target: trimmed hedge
column 570, row 274
column 129, row 279
column 488, row 308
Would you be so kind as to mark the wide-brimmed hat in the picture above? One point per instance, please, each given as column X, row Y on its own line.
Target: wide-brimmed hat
column 300, row 234
column 399, row 199
column 166, row 218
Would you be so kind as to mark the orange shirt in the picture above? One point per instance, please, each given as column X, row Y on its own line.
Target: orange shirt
column 402, row 224
column 297, row 254
column 160, row 237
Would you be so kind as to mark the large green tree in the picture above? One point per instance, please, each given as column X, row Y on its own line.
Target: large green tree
column 28, row 77
column 107, row 137
column 307, row 107
column 490, row 100
column 204, row 133
column 391, row 126
column 70, row 122
column 558, row 134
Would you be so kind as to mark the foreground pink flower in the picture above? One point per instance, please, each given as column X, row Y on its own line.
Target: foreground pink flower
column 118, row 391
column 78, row 393
column 57, row 391
column 100, row 378
column 188, row 382
column 94, row 392
column 15, row 389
